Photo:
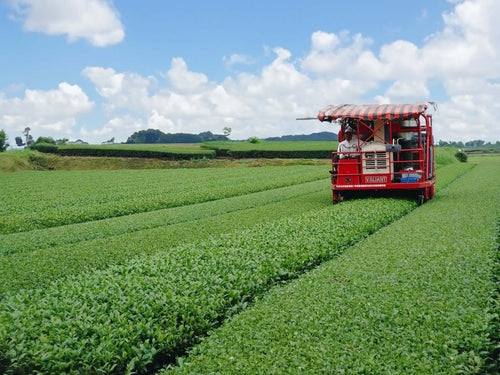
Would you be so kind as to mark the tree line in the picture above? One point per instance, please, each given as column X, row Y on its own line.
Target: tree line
column 157, row 136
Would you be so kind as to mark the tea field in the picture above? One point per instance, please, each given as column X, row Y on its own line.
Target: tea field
column 245, row 270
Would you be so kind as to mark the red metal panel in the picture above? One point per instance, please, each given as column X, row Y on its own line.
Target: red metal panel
column 348, row 171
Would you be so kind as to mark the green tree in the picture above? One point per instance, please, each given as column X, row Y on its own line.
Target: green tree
column 3, row 141
column 45, row 140
column 146, row 136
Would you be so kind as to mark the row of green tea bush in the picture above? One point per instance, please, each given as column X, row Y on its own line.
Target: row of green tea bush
column 418, row 297
column 38, row 257
column 142, row 314
column 32, row 200
column 44, row 265
column 67, row 234
column 125, row 152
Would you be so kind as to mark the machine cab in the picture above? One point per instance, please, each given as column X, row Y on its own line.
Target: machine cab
column 391, row 149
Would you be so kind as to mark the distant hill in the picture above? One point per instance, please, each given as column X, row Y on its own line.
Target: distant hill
column 322, row 136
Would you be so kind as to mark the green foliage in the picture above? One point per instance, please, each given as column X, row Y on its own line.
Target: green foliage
column 55, row 252
column 48, row 140
column 45, row 147
column 268, row 149
column 90, row 322
column 76, row 197
column 444, row 156
column 461, row 156
column 164, row 295
column 417, row 297
column 254, row 140
column 38, row 257
column 157, row 136
column 3, row 141
column 15, row 160
column 139, row 151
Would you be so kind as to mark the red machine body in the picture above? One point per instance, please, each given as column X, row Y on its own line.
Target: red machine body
column 394, row 151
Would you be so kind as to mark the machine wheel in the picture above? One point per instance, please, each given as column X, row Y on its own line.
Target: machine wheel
column 338, row 197
column 422, row 196
column 421, row 199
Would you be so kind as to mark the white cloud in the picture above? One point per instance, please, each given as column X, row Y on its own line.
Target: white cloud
column 122, row 126
column 322, row 41
column 53, row 111
column 459, row 64
column 122, row 90
column 403, row 91
column 183, row 80
column 238, row 59
column 94, row 20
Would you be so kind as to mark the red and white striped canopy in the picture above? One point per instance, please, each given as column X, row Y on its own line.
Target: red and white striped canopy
column 372, row 111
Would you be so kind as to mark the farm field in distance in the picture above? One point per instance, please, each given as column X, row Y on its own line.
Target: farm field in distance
column 126, row 271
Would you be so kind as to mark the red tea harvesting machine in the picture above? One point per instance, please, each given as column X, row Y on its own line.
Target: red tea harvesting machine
column 390, row 148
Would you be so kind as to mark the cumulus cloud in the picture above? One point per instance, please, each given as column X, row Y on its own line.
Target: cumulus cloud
column 122, row 90
column 52, row 111
column 182, row 80
column 94, row 20
column 118, row 125
column 238, row 59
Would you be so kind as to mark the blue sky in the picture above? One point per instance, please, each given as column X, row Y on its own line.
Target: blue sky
column 96, row 69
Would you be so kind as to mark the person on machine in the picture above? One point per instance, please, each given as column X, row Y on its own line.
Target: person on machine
column 348, row 145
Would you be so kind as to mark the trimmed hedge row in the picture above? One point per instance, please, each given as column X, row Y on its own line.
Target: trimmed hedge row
column 25, row 242
column 282, row 154
column 70, row 249
column 82, row 196
column 417, row 297
column 208, row 154
column 143, row 314
column 30, row 269
column 131, row 153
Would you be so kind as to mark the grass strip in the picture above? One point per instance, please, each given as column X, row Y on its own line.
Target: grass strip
column 140, row 315
column 50, row 237
column 414, row 298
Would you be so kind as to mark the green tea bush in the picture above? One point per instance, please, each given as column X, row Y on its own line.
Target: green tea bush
column 417, row 297
column 28, row 269
column 67, row 234
column 41, row 256
column 461, row 156
column 131, row 153
column 136, row 316
column 45, row 147
column 82, row 196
